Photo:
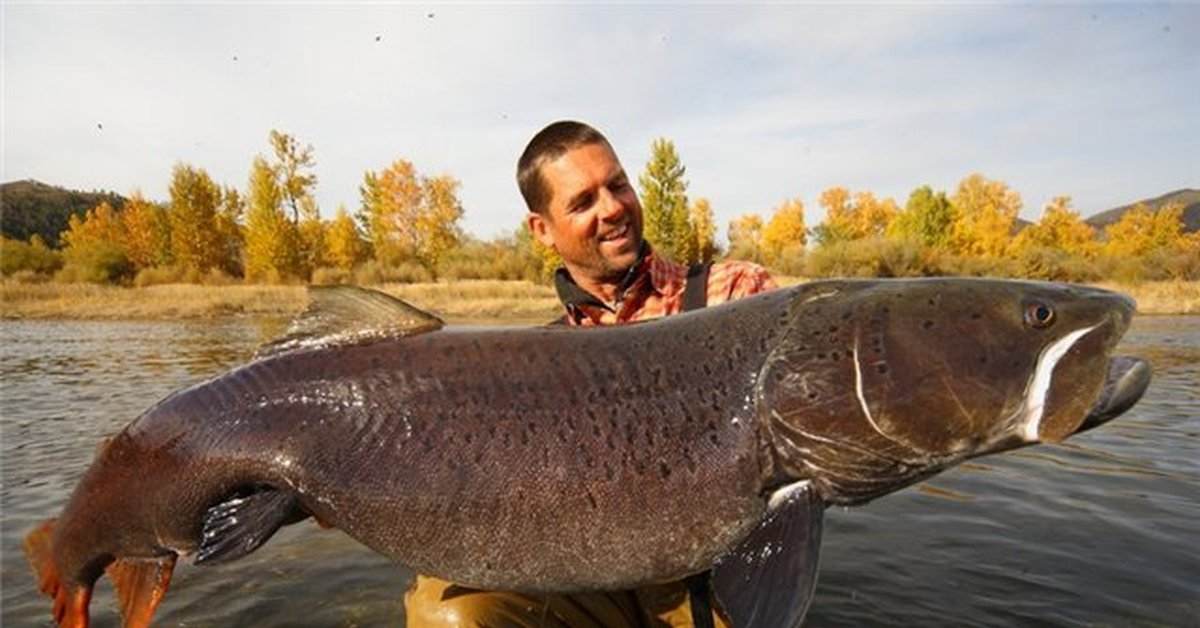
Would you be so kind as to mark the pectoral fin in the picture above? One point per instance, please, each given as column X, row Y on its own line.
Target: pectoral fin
column 769, row 579
column 240, row 524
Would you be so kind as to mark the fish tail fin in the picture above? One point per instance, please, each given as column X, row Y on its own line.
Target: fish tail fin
column 70, row 602
column 140, row 584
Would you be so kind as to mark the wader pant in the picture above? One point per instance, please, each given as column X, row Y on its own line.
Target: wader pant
column 434, row 603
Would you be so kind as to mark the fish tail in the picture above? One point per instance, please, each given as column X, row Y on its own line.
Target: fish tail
column 140, row 584
column 70, row 602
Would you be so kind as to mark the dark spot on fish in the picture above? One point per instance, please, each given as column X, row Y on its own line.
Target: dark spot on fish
column 976, row 316
column 821, row 355
column 665, row 471
column 591, row 500
column 835, row 356
column 927, row 324
column 812, row 394
column 714, row 439
column 882, row 368
column 833, row 329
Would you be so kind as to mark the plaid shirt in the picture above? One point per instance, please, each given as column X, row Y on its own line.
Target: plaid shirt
column 654, row 288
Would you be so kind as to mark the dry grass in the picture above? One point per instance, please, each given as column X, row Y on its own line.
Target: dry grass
column 467, row 301
column 461, row 301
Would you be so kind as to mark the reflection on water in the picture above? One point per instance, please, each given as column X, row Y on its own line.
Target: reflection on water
column 1102, row 530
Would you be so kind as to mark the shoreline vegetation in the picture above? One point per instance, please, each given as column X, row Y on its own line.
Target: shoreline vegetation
column 459, row 302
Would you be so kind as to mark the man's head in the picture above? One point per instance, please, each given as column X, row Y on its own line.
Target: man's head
column 581, row 202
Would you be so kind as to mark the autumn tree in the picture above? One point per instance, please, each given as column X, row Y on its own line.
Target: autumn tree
column 927, row 218
column 985, row 212
column 94, row 249
column 849, row 218
column 409, row 217
column 344, row 245
column 195, row 238
column 230, row 236
column 1142, row 231
column 745, row 238
column 665, row 204
column 147, row 236
column 271, row 246
column 1060, row 228
column 437, row 221
column 784, row 237
column 704, row 230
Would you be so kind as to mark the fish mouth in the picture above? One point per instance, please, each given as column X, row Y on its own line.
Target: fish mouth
column 1126, row 382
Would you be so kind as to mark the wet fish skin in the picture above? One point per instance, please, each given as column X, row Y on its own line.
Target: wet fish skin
column 553, row 459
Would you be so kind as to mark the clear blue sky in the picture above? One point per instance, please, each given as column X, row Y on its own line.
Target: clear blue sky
column 765, row 102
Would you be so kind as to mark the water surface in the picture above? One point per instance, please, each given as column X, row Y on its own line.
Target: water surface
column 1103, row 530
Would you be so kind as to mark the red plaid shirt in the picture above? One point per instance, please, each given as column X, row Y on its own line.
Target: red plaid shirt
column 657, row 290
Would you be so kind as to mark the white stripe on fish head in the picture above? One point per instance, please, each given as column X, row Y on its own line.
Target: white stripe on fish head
column 1039, row 384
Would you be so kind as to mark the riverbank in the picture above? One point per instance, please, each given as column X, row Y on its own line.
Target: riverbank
column 458, row 301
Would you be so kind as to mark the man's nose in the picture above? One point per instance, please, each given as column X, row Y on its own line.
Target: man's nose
column 612, row 206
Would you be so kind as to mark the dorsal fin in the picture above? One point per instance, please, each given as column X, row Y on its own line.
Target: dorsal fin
column 338, row 315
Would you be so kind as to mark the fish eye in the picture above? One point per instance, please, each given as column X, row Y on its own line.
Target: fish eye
column 1039, row 315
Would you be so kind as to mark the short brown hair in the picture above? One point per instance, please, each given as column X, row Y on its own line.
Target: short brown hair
column 549, row 144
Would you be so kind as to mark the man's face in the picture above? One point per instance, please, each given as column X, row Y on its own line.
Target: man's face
column 594, row 218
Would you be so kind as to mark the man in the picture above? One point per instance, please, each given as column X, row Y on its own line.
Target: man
column 581, row 203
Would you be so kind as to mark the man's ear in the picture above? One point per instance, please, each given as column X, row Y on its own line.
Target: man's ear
column 539, row 226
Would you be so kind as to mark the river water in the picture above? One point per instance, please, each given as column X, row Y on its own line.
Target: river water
column 1101, row 531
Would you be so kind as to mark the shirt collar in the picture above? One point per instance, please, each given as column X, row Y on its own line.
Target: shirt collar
column 661, row 280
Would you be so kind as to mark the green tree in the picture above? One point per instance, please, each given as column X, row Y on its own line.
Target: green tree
column 195, row 199
column 927, row 218
column 665, row 204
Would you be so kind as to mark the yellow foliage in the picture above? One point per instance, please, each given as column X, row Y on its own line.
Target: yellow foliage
column 1142, row 231
column 985, row 214
column 854, row 218
column 344, row 247
column 704, row 229
column 784, row 234
column 1061, row 229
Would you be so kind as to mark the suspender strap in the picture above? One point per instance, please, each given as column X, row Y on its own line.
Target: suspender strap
column 698, row 593
column 695, row 291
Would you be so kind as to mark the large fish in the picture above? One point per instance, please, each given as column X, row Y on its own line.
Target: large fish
column 552, row 459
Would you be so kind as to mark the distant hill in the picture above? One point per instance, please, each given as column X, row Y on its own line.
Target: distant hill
column 31, row 207
column 1190, row 199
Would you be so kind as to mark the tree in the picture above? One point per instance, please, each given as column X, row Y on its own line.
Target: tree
column 1142, row 231
column 745, row 238
column 853, row 218
column 409, row 217
column 292, row 168
column 390, row 200
column 784, row 234
column 704, row 230
column 927, row 218
column 436, row 224
column 665, row 204
column 985, row 213
column 147, row 233
column 195, row 199
column 94, row 250
column 1060, row 228
column 344, row 245
column 271, row 248
column 230, row 236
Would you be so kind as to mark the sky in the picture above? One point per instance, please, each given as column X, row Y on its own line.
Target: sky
column 765, row 102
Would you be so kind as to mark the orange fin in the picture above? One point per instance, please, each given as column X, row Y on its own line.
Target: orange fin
column 141, row 584
column 70, row 603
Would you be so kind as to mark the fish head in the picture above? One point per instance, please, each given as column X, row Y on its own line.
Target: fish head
column 879, row 384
